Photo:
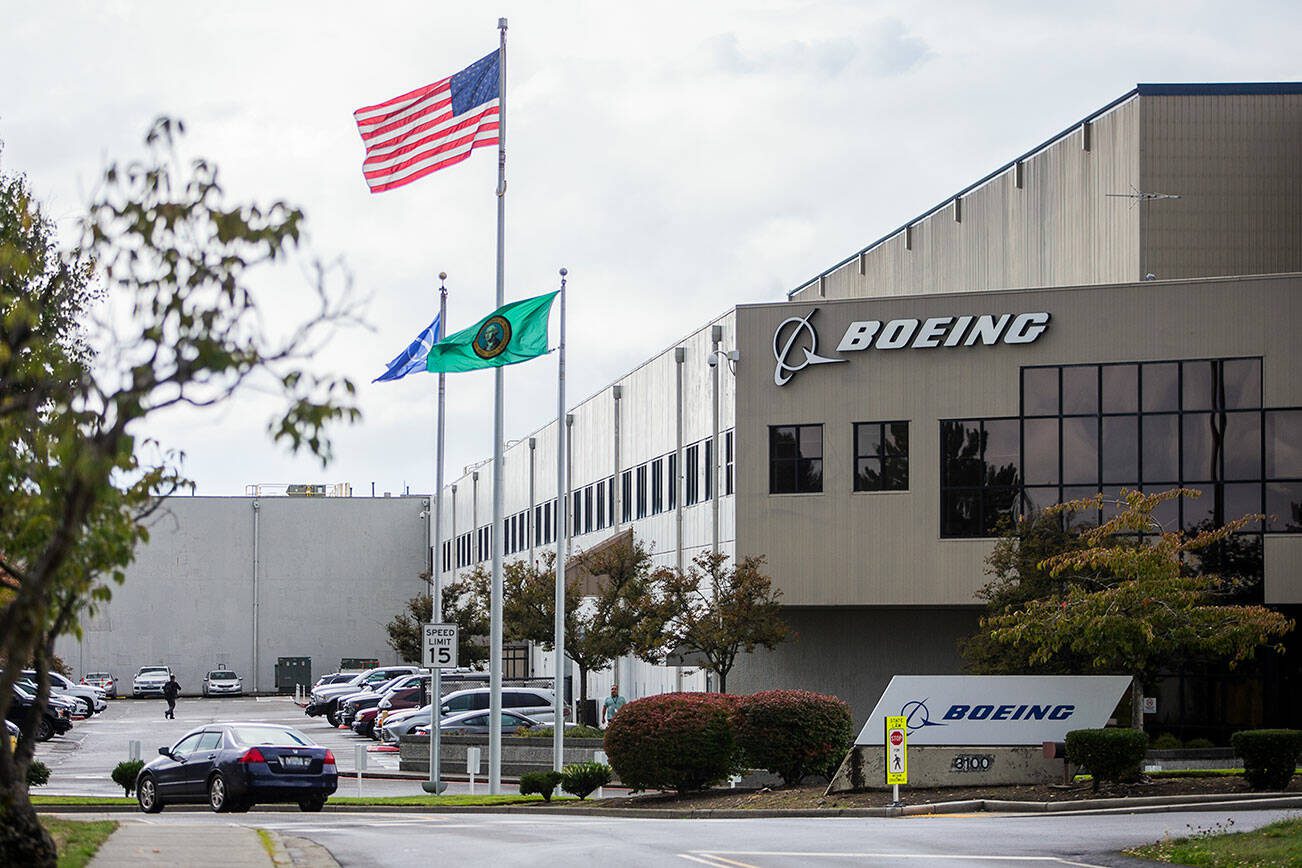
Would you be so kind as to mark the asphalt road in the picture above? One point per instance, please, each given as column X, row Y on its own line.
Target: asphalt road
column 395, row 840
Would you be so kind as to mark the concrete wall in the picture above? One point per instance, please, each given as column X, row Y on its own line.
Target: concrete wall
column 331, row 573
column 852, row 652
column 841, row 548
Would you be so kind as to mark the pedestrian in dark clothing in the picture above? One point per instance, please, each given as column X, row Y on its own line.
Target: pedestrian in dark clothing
column 171, row 690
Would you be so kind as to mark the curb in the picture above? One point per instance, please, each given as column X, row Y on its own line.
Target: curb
column 1136, row 805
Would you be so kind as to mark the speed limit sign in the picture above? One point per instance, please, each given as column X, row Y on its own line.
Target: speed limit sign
column 440, row 646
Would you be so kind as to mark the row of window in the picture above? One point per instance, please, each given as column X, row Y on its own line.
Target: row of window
column 881, row 457
column 593, row 507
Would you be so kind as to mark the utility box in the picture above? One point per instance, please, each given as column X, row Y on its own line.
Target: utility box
column 291, row 672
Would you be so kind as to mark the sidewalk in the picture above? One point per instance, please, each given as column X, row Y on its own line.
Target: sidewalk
column 144, row 843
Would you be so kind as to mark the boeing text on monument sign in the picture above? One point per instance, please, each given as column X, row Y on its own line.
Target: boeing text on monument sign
column 995, row 709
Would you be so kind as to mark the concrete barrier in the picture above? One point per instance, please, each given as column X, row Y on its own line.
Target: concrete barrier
column 519, row 755
column 864, row 767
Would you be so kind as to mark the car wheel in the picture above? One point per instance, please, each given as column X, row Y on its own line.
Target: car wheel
column 88, row 706
column 147, row 796
column 332, row 719
column 44, row 730
column 312, row 803
column 218, row 798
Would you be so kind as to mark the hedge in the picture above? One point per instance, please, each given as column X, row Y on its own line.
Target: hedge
column 581, row 779
column 1269, row 756
column 540, row 783
column 125, row 774
column 1113, row 755
column 673, row 741
column 794, row 733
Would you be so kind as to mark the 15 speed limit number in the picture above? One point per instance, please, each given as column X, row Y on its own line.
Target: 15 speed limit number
column 440, row 646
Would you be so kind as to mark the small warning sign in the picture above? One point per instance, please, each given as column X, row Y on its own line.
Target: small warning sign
column 897, row 750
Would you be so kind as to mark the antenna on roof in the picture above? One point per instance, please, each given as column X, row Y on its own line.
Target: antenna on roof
column 1140, row 196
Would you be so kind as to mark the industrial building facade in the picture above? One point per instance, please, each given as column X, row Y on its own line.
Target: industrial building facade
column 1118, row 307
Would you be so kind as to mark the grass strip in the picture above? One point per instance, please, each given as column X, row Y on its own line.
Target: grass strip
column 77, row 842
column 77, row 801
column 1279, row 843
column 267, row 844
column 460, row 799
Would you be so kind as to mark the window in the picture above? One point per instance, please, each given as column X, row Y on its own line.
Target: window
column 601, row 504
column 547, row 522
column 795, row 459
column 980, row 481
column 641, row 491
column 709, row 469
column 657, row 486
column 587, row 510
column 610, row 501
column 626, row 486
column 881, row 456
column 209, row 741
column 576, row 516
column 727, row 463
column 538, row 539
column 693, row 475
column 187, row 745
column 673, row 480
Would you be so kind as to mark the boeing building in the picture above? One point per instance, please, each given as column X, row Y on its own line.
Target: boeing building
column 1117, row 307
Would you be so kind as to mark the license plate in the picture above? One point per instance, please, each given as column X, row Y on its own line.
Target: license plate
column 295, row 762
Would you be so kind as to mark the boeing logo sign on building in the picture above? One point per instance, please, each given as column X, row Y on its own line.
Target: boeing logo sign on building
column 995, row 709
column 795, row 341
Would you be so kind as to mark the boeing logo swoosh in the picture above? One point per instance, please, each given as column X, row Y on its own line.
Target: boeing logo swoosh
column 917, row 715
column 782, row 348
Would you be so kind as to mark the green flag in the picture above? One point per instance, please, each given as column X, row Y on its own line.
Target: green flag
column 515, row 332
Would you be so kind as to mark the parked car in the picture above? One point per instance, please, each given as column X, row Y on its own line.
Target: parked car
column 104, row 681
column 324, row 700
column 233, row 766
column 364, row 723
column 402, row 723
column 55, row 720
column 222, row 682
column 349, row 706
column 13, row 733
column 90, row 699
column 333, row 678
column 476, row 723
column 149, row 680
column 534, row 702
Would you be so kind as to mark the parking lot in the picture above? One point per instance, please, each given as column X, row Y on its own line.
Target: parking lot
column 81, row 760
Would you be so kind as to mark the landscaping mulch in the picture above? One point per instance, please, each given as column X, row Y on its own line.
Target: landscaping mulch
column 811, row 796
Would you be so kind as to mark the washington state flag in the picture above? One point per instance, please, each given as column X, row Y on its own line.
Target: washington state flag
column 515, row 332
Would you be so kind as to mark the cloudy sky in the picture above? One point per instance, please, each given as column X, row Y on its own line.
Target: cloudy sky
column 677, row 157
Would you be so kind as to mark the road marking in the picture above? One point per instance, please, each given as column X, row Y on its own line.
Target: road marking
column 709, row 861
column 719, row 859
column 809, row 854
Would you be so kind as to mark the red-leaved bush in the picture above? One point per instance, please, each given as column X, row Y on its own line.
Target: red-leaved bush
column 673, row 741
column 793, row 733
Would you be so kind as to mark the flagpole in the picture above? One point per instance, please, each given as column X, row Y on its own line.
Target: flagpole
column 495, row 615
column 435, row 783
column 558, row 639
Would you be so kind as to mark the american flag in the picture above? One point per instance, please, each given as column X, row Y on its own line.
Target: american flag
column 431, row 127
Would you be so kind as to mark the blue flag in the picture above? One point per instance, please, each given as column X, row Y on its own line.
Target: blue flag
column 413, row 358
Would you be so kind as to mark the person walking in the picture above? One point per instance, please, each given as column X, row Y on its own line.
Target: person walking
column 171, row 690
column 612, row 703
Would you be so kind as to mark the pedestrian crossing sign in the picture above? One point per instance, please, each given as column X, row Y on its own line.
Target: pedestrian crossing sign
column 897, row 751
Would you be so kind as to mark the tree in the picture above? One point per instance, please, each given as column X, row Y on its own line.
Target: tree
column 719, row 611
column 465, row 603
column 623, row 617
column 154, row 311
column 1129, row 605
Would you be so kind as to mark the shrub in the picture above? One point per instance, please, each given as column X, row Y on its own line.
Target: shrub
column 581, row 779
column 1199, row 743
column 542, row 783
column 1269, row 756
column 125, row 774
column 793, row 733
column 1167, row 741
column 38, row 774
column 1108, row 754
column 673, row 741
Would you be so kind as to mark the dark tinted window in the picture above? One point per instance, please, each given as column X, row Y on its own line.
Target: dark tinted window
column 1040, row 451
column 881, row 456
column 1161, row 448
column 1161, row 385
column 187, row 745
column 1284, row 444
column 795, row 459
column 210, row 741
column 1284, row 507
column 1241, row 380
column 479, row 700
column 1119, row 449
column 1080, row 390
column 1040, row 391
column 458, row 703
column 1199, row 381
column 1080, row 450
column 1120, row 388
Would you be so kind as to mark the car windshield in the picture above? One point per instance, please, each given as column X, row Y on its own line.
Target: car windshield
column 274, row 736
column 221, row 675
column 153, row 670
column 97, row 675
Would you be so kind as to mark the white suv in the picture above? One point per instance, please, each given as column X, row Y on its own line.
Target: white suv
column 149, row 680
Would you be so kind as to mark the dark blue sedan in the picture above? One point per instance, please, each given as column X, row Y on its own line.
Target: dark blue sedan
column 232, row 766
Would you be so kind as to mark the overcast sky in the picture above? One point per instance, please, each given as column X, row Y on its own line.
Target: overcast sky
column 678, row 158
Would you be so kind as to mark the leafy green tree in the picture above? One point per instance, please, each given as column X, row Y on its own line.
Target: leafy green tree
column 719, row 611
column 465, row 603
column 154, row 311
column 622, row 618
column 1129, row 605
